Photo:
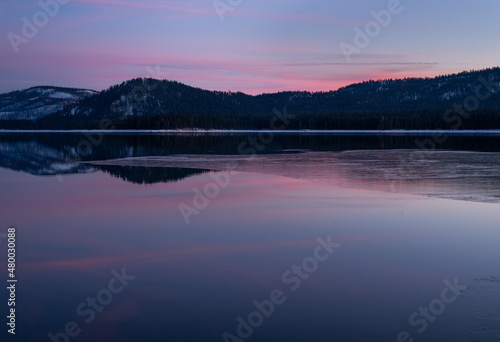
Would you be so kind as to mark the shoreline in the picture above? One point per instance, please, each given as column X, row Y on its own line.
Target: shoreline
column 252, row 131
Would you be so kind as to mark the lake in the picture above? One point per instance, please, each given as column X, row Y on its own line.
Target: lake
column 248, row 237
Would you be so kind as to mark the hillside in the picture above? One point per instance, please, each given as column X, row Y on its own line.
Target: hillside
column 143, row 97
column 410, row 103
column 38, row 102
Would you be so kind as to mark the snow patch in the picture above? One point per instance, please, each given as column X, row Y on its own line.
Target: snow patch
column 61, row 95
column 448, row 95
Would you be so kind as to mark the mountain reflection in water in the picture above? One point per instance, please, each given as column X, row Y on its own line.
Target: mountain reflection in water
column 465, row 168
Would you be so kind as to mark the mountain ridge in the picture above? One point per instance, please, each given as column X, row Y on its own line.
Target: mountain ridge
column 39, row 101
column 150, row 96
column 152, row 103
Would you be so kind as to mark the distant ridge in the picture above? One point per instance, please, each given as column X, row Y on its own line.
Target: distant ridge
column 37, row 102
column 143, row 97
column 409, row 103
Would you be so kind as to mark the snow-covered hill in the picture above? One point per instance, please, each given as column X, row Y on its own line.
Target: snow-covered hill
column 38, row 102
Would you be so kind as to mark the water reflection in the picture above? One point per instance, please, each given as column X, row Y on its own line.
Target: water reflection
column 79, row 147
column 149, row 175
column 468, row 169
column 193, row 282
column 37, row 159
column 472, row 176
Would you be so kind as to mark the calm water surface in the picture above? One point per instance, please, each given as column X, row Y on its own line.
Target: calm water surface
column 181, row 238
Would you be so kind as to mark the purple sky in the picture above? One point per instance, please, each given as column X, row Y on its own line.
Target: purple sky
column 255, row 46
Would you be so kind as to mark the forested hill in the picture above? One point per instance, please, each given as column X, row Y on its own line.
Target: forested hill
column 410, row 103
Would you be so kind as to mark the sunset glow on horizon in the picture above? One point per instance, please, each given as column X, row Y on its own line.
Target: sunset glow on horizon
column 249, row 46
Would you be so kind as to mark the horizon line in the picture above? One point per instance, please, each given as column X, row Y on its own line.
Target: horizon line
column 237, row 91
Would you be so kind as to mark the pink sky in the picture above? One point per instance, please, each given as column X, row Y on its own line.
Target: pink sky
column 258, row 46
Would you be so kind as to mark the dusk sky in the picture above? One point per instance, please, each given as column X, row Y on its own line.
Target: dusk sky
column 253, row 46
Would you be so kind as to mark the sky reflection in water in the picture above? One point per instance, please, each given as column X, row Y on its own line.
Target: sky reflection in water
column 193, row 281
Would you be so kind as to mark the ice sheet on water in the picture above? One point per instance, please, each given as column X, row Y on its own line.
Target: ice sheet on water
column 471, row 176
